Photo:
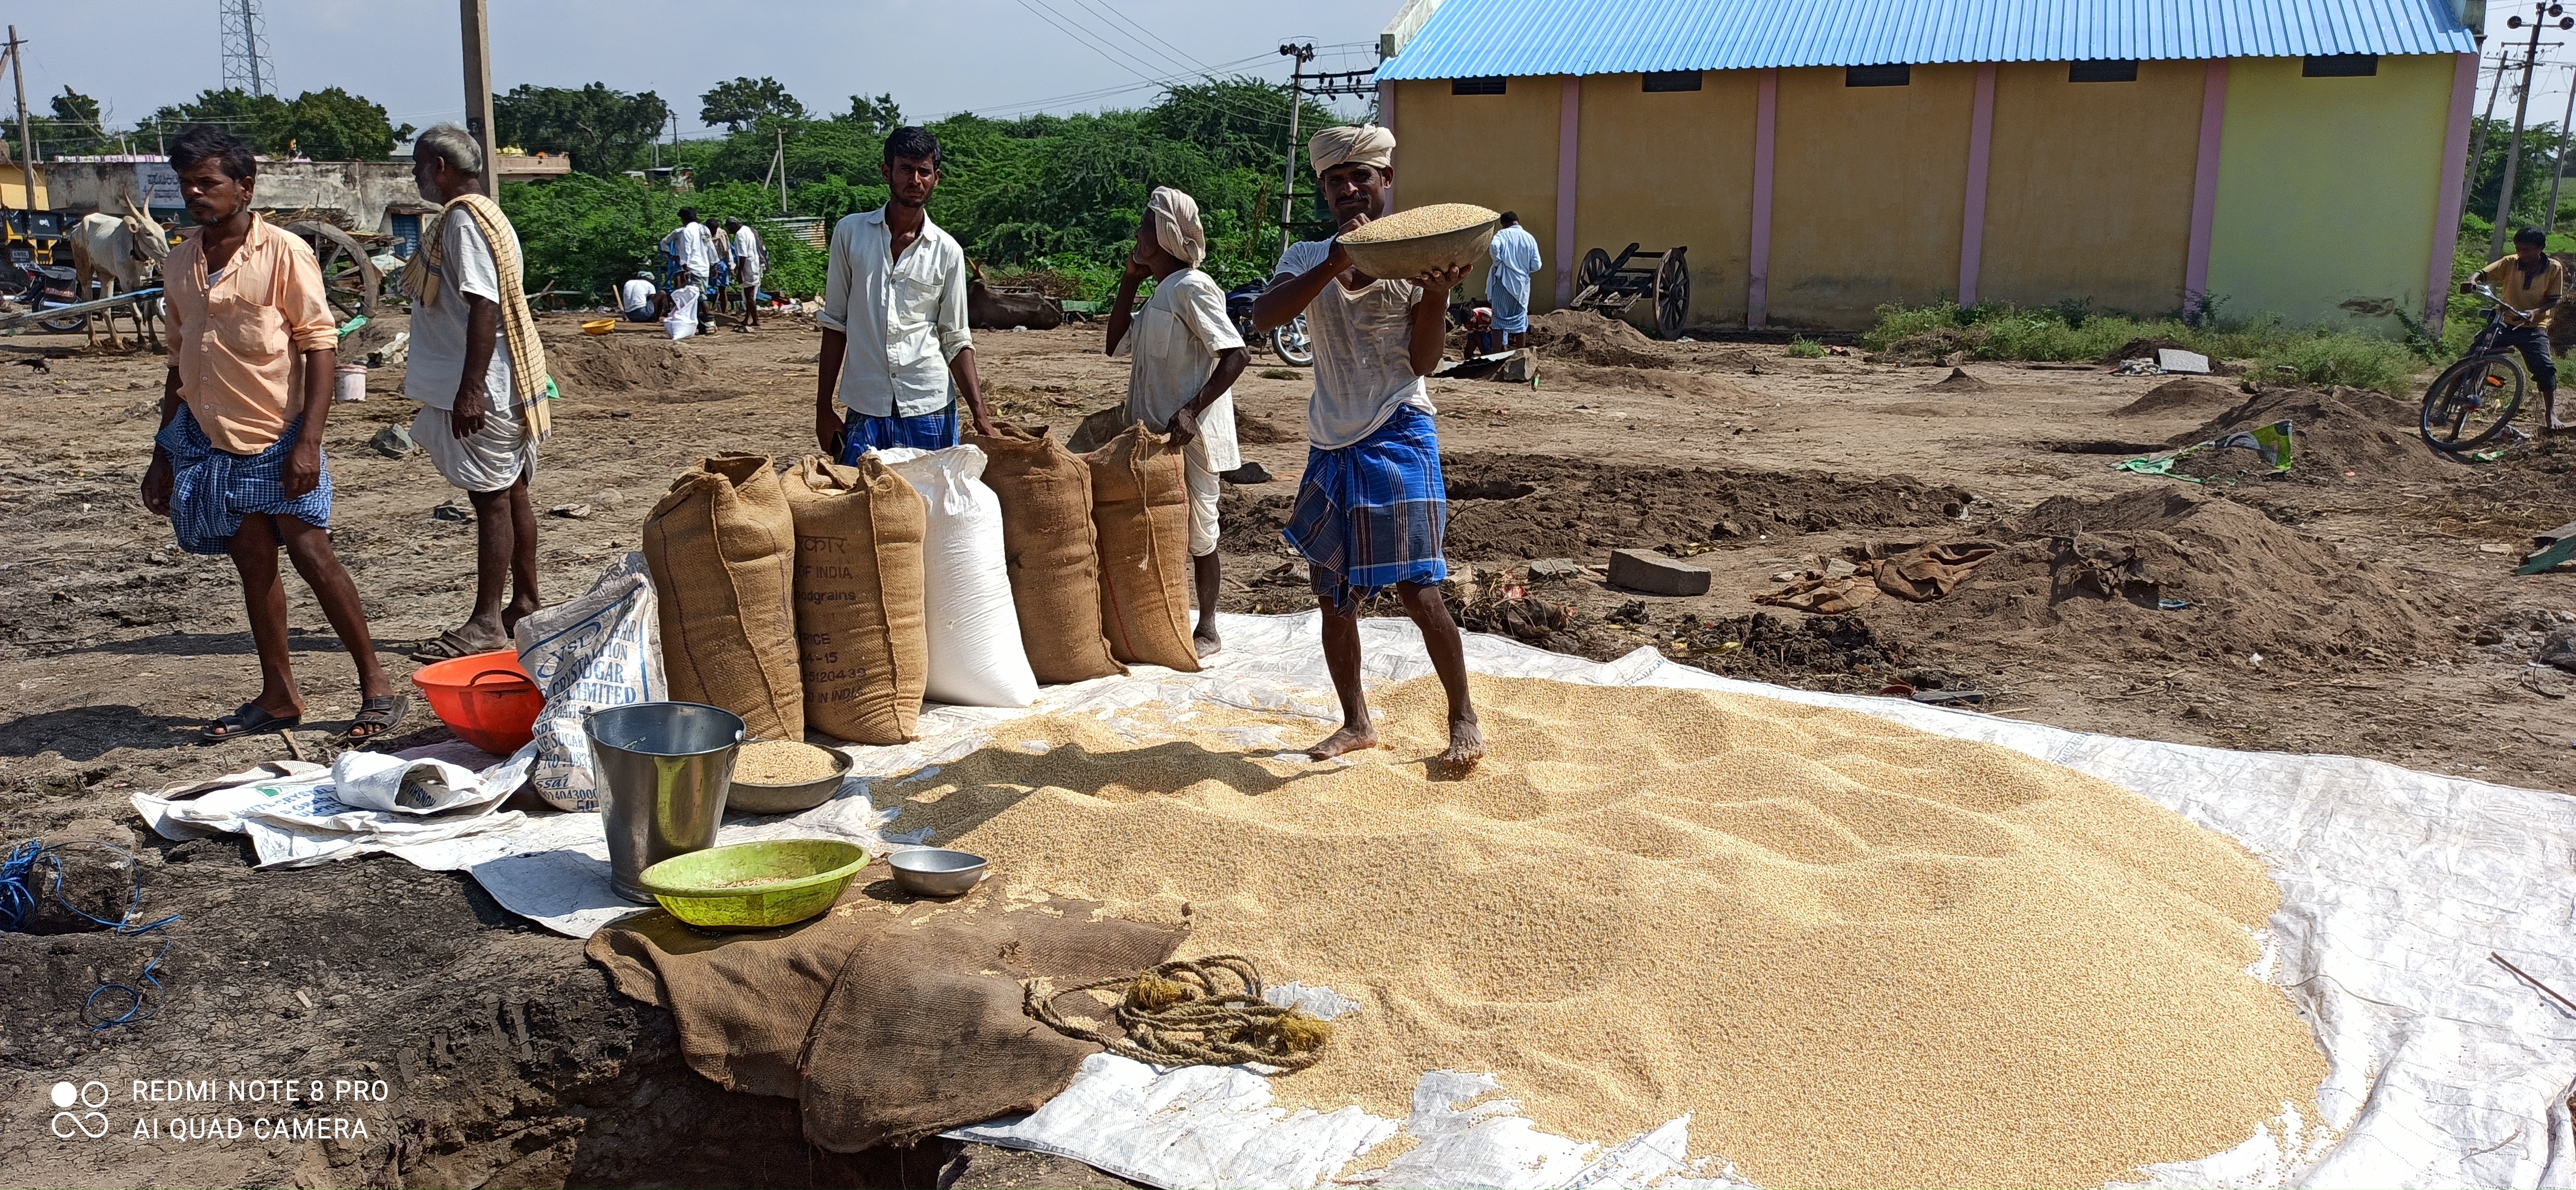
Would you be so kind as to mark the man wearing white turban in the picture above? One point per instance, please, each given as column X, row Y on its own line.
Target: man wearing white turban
column 1372, row 505
column 1186, row 355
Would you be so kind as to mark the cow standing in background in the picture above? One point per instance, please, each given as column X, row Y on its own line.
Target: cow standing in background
column 990, row 311
column 123, row 254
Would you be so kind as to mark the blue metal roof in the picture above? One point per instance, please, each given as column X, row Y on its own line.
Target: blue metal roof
column 1472, row 38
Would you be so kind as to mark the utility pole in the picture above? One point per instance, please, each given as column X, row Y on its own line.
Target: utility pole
column 2558, row 166
column 1302, row 54
column 26, row 139
column 2542, row 11
column 779, row 162
column 478, row 87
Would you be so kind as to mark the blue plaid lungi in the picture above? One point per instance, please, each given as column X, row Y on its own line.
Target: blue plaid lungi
column 1371, row 515
column 211, row 490
column 930, row 431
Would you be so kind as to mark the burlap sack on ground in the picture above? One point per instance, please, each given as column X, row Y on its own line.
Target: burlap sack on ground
column 861, row 643
column 1140, row 509
column 1045, row 492
column 722, row 549
column 883, row 1030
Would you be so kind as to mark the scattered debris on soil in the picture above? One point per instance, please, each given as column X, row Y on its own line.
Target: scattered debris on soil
column 2103, row 578
column 1600, row 341
column 2344, row 429
column 2188, row 396
column 1841, row 653
column 589, row 364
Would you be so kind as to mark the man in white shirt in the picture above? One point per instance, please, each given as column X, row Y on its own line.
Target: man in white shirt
column 749, row 262
column 1186, row 355
column 473, row 422
column 896, row 353
column 1507, row 285
column 694, row 247
column 640, row 299
column 1372, row 505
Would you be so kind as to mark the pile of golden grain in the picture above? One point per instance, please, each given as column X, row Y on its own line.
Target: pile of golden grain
column 1853, row 953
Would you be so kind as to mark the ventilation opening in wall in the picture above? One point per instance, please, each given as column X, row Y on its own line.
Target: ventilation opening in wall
column 1491, row 85
column 2102, row 72
column 1672, row 80
column 2340, row 66
column 1878, row 76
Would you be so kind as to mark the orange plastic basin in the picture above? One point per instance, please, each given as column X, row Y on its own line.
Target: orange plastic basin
column 486, row 699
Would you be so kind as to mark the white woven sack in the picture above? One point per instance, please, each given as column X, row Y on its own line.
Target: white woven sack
column 976, row 658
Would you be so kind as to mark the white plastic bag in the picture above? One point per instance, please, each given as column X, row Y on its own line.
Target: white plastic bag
column 377, row 781
column 976, row 658
column 601, row 650
column 683, row 319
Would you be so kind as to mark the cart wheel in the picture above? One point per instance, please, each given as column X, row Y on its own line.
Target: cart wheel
column 349, row 277
column 1672, row 295
column 1596, row 265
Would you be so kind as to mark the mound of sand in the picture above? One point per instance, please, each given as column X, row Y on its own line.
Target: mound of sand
column 2189, row 396
column 1640, row 378
column 585, row 365
column 2085, row 578
column 1587, row 337
column 1852, row 953
column 1510, row 507
column 1958, row 381
column 2345, row 429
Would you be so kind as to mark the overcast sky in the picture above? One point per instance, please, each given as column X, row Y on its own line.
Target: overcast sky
column 994, row 56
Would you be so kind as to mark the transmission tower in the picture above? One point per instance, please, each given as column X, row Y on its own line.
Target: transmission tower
column 245, row 41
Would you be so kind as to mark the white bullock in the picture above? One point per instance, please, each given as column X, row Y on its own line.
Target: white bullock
column 122, row 253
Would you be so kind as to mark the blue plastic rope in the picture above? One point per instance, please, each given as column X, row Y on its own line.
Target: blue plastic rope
column 19, row 901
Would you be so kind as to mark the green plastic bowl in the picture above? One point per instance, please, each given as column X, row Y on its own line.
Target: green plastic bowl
column 798, row 878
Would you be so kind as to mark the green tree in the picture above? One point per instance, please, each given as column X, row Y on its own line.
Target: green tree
column 880, row 115
column 2542, row 147
column 334, row 125
column 75, row 127
column 740, row 103
column 604, row 130
column 261, row 118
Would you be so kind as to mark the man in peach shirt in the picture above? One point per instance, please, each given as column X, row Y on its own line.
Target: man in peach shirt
column 237, row 465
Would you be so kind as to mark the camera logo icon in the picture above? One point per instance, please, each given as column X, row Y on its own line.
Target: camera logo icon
column 69, row 1123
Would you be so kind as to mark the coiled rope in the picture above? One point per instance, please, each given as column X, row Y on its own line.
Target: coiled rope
column 20, row 900
column 1194, row 1012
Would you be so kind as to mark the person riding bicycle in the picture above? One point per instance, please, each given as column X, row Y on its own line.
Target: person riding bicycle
column 2529, row 280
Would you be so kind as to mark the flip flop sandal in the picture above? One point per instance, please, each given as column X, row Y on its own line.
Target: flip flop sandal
column 451, row 645
column 377, row 716
column 248, row 719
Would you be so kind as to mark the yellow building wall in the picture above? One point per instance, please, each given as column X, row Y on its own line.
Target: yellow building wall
column 2088, row 187
column 1496, row 151
column 1671, row 168
column 1867, row 195
column 2327, row 189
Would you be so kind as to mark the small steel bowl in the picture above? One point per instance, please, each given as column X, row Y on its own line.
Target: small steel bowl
column 748, row 798
column 932, row 872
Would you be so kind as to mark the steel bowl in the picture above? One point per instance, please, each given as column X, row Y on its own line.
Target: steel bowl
column 750, row 798
column 932, row 872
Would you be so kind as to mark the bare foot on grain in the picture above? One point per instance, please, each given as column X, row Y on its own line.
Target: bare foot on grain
column 1348, row 739
column 1206, row 642
column 1466, row 747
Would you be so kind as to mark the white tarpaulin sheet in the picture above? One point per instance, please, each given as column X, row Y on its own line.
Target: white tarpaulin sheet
column 2445, row 1069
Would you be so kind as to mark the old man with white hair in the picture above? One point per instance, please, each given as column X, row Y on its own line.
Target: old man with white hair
column 1185, row 357
column 1371, row 507
column 480, row 376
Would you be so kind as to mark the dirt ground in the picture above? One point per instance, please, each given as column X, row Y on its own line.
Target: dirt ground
column 2364, row 605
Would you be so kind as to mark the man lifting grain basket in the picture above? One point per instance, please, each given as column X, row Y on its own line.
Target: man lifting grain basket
column 1372, row 507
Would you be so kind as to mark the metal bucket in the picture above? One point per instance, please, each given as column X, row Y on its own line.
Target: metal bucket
column 664, row 770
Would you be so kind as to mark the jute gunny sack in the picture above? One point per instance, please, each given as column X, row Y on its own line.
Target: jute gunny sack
column 722, row 549
column 1140, row 509
column 1045, row 491
column 860, row 640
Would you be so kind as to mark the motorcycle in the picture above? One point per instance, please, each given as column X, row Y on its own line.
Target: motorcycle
column 40, row 286
column 1287, row 341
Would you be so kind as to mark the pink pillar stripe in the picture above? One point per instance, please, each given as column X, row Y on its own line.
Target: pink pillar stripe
column 1569, row 122
column 2204, row 189
column 1386, row 120
column 2446, row 213
column 1766, row 120
column 1972, row 229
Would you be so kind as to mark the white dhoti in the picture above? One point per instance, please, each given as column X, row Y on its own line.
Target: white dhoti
column 491, row 460
column 1204, row 487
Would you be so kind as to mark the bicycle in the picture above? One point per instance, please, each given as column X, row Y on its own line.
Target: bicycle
column 2474, row 401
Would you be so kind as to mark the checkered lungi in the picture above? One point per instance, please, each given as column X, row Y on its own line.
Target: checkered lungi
column 1371, row 515
column 211, row 490
column 930, row 431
